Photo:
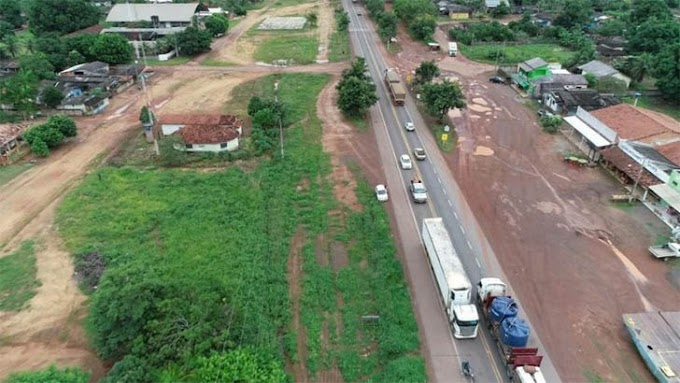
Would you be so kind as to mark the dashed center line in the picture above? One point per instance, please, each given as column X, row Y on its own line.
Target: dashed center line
column 449, row 201
column 461, row 228
column 469, row 244
column 478, row 264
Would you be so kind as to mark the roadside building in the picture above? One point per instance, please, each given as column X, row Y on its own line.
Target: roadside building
column 490, row 4
column 528, row 71
column 589, row 134
column 12, row 145
column 543, row 20
column 557, row 81
column 636, row 124
column 459, row 12
column 611, row 47
column 601, row 70
column 150, row 21
column 203, row 133
column 566, row 102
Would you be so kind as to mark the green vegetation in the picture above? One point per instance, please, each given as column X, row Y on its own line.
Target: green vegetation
column 52, row 374
column 17, row 278
column 338, row 47
column 289, row 3
column 8, row 172
column 204, row 263
column 656, row 104
column 438, row 132
column 173, row 61
column 216, row 62
column 513, row 54
column 593, row 377
column 301, row 49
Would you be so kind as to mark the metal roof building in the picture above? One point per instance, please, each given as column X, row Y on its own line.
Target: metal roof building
column 166, row 13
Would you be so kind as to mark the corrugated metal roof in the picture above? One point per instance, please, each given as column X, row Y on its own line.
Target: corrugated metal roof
column 598, row 68
column 668, row 194
column 586, row 131
column 125, row 13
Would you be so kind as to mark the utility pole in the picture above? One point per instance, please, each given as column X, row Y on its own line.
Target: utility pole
column 276, row 99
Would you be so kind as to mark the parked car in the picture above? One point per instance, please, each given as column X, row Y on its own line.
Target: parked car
column 381, row 193
column 419, row 154
column 409, row 126
column 418, row 191
column 497, row 80
column 405, row 162
column 544, row 113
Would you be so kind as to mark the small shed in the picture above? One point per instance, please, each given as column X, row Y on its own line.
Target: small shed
column 204, row 133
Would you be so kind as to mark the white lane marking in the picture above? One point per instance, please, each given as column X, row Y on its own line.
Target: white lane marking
column 461, row 228
column 433, row 169
column 455, row 215
column 478, row 264
column 469, row 244
column 449, row 201
column 439, row 179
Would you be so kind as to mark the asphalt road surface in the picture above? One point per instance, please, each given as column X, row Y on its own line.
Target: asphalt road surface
column 444, row 200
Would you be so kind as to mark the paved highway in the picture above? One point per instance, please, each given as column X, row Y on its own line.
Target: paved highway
column 446, row 201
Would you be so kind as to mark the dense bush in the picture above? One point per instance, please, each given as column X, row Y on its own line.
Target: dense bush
column 485, row 32
column 50, row 375
column 551, row 123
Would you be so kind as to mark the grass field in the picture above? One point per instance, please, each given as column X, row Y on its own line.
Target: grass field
column 338, row 47
column 302, row 49
column 17, row 278
column 234, row 228
column 7, row 173
column 173, row 61
column 517, row 53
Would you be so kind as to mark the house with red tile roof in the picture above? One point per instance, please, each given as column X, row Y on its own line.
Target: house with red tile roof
column 204, row 132
column 633, row 124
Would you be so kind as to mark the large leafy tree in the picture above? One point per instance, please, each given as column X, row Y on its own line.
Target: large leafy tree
column 387, row 25
column 441, row 97
column 238, row 365
column 422, row 27
column 426, row 72
column 64, row 124
column 637, row 67
column 355, row 96
column 6, row 29
column 82, row 44
column 375, row 7
column 113, row 49
column 407, row 10
column 20, row 91
column 667, row 73
column 643, row 10
column 38, row 64
column 61, row 16
column 193, row 41
column 51, row 374
column 51, row 97
column 652, row 35
column 54, row 49
column 217, row 24
column 576, row 13
column 10, row 11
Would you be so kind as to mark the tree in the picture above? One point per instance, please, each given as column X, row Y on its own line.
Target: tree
column 74, row 58
column 423, row 27
column 357, row 69
column 11, row 46
column 355, row 95
column 6, row 29
column 408, row 10
column 441, row 97
column 61, row 16
column 642, row 10
column 217, row 25
column 51, row 374
column 51, row 97
column 426, row 72
column 341, row 19
column 576, row 13
column 501, row 10
column 54, row 49
column 551, row 123
column 82, row 44
column 39, row 148
column 375, row 7
column 652, row 35
column 63, row 124
column 20, row 91
column 239, row 365
column 10, row 11
column 112, row 49
column 193, row 41
column 387, row 25
column 667, row 73
column 146, row 116
column 637, row 67
column 312, row 19
column 38, row 64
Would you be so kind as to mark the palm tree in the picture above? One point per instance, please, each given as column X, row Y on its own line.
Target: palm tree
column 640, row 66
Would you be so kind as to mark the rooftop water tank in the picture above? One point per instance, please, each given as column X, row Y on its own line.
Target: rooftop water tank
column 502, row 307
column 515, row 332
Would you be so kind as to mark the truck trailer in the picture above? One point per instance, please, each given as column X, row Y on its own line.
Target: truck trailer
column 396, row 88
column 453, row 284
column 453, row 49
column 509, row 331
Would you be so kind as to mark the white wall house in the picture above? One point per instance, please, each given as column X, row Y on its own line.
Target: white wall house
column 204, row 133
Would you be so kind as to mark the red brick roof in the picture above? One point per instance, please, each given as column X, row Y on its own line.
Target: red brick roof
column 628, row 166
column 629, row 122
column 8, row 132
column 201, row 119
column 670, row 151
column 207, row 134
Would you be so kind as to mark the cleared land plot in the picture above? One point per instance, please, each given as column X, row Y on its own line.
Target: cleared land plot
column 283, row 23
column 514, row 54
column 296, row 49
column 17, row 278
column 272, row 240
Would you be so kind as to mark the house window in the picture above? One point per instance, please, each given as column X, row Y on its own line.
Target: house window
column 223, row 145
column 188, row 146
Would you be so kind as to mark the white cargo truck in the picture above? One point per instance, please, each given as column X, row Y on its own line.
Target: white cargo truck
column 452, row 282
column 453, row 49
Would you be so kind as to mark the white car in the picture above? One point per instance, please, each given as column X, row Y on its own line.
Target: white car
column 409, row 127
column 381, row 193
column 405, row 162
column 419, row 154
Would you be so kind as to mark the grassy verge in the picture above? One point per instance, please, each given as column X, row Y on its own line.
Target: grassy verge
column 338, row 49
column 7, row 173
column 289, row 3
column 516, row 53
column 216, row 62
column 234, row 229
column 301, row 49
column 17, row 278
column 359, row 122
column 439, row 135
column 173, row 61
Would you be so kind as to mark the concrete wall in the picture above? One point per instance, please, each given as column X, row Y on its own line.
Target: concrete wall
column 169, row 129
column 166, row 56
column 229, row 146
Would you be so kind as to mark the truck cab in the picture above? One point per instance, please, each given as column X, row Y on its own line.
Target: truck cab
column 489, row 288
column 465, row 321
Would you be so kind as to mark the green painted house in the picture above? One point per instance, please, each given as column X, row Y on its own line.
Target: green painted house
column 530, row 70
